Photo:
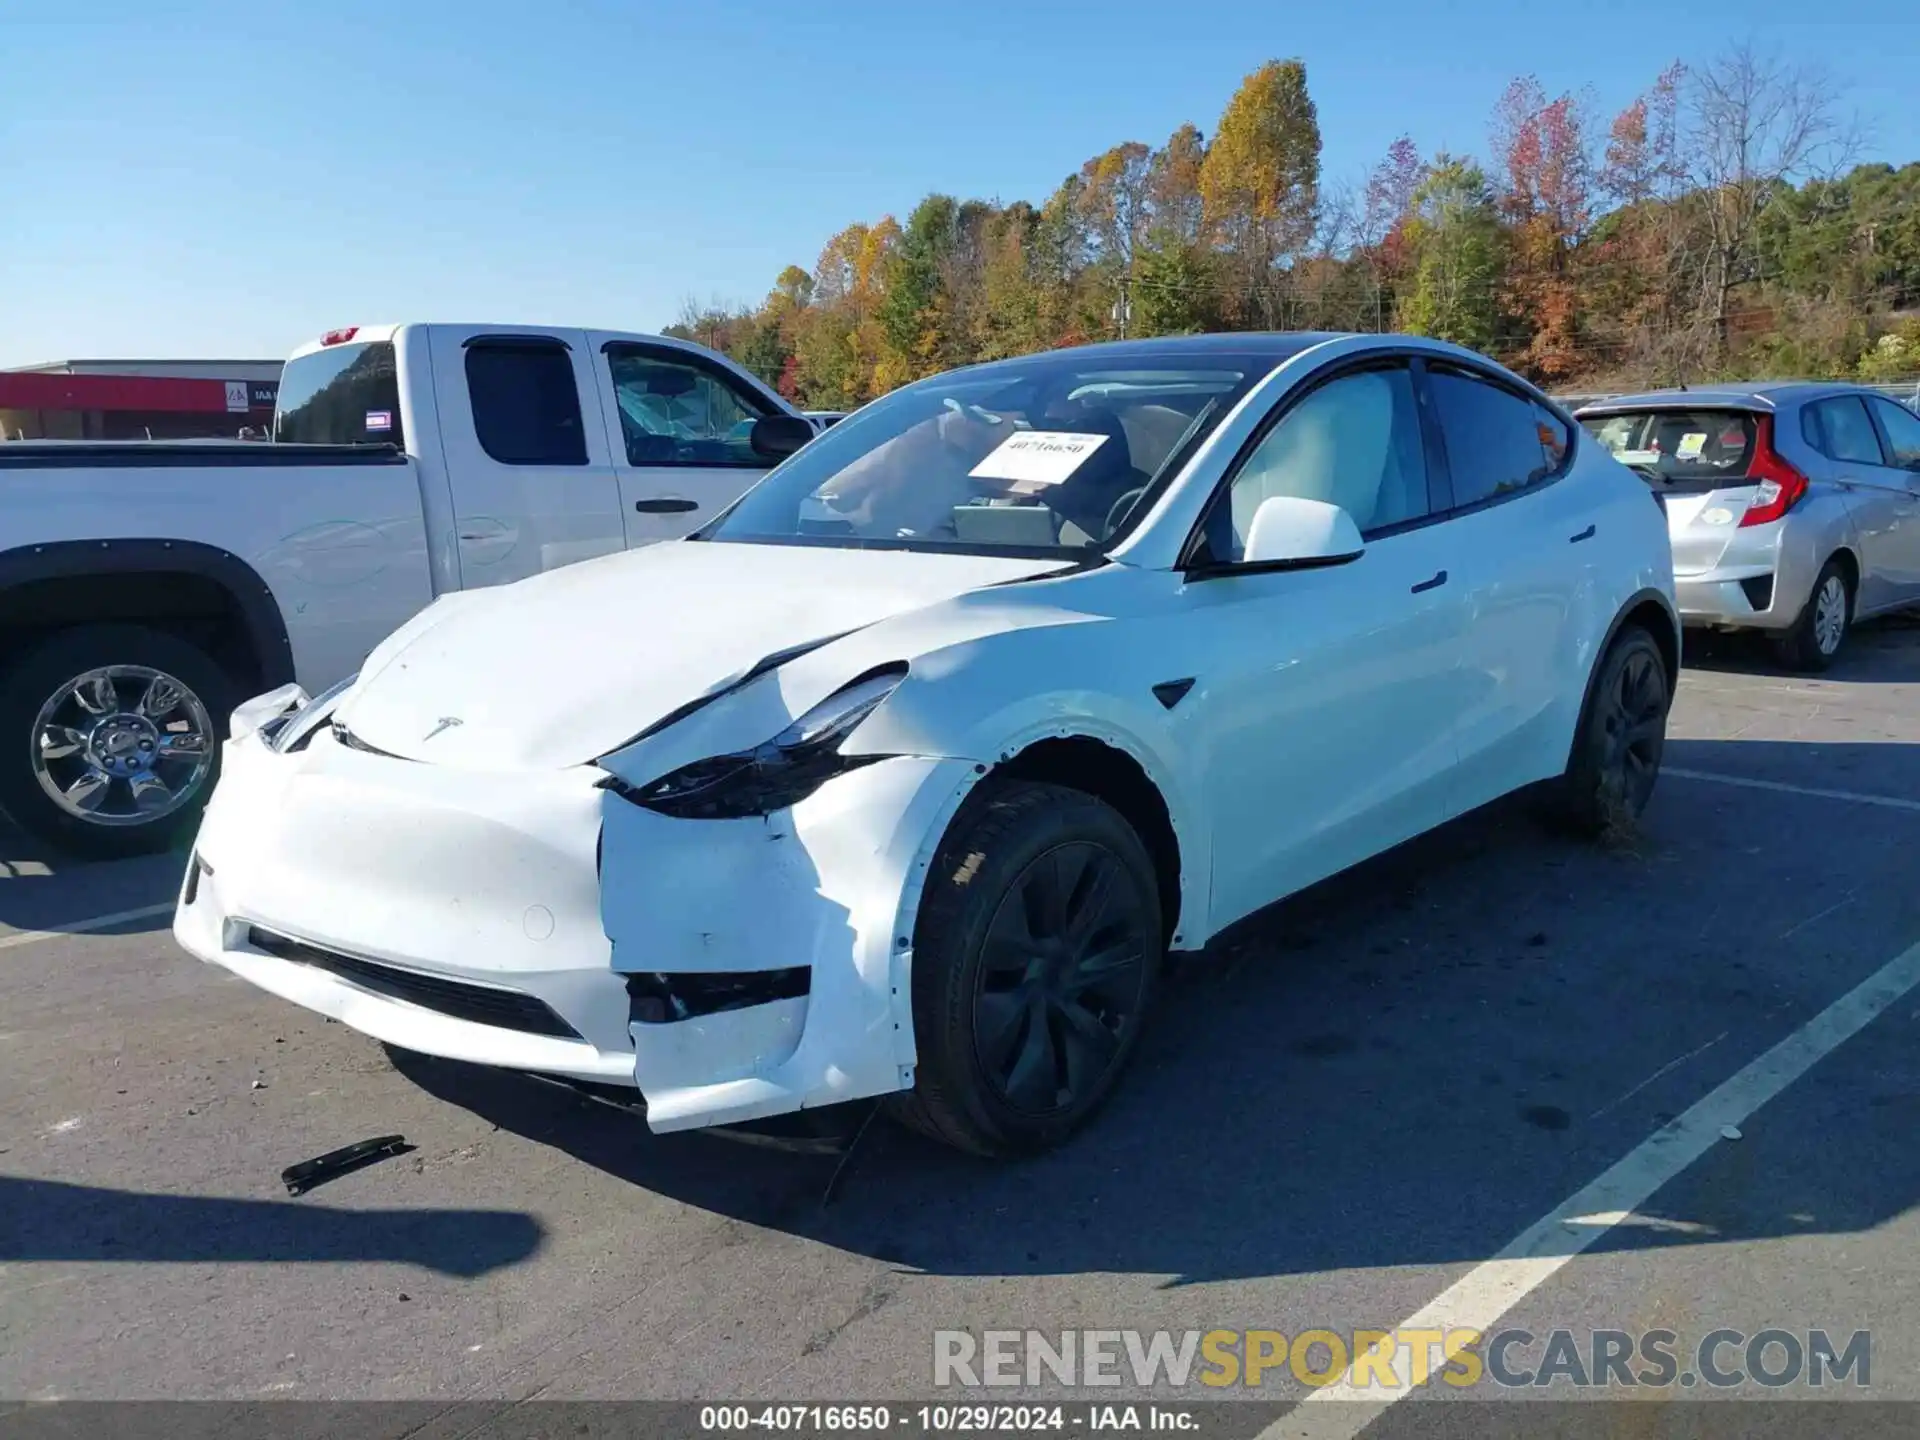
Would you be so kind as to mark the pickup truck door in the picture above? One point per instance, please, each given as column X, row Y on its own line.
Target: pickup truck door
column 677, row 425
column 527, row 468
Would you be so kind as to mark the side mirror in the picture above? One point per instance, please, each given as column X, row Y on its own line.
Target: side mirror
column 774, row 437
column 1287, row 528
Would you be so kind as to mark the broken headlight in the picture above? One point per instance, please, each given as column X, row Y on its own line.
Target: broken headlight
column 773, row 776
column 295, row 731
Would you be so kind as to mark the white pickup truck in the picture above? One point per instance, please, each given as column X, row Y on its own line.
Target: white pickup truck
column 147, row 588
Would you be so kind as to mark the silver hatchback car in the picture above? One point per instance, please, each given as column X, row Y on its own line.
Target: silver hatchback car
column 1794, row 509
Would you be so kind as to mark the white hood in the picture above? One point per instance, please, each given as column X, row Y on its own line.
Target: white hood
column 561, row 668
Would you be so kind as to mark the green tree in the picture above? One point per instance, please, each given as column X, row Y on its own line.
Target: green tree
column 915, row 312
column 763, row 349
column 1173, row 291
column 1454, row 238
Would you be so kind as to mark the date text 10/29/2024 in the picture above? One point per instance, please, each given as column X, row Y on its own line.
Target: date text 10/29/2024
column 943, row 1419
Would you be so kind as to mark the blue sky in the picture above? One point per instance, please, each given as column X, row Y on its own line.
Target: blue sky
column 231, row 179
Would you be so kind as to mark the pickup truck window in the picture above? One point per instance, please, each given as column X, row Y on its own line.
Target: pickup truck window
column 341, row 395
column 676, row 411
column 526, row 408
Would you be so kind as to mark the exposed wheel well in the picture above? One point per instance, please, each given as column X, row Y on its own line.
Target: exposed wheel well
column 1654, row 618
column 1112, row 775
column 1850, row 563
column 198, row 610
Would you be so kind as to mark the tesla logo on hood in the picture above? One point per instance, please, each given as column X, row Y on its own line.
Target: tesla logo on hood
column 445, row 722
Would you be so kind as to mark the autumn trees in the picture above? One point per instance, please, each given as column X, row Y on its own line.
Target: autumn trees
column 1705, row 227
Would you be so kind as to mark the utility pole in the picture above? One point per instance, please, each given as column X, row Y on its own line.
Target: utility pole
column 1123, row 308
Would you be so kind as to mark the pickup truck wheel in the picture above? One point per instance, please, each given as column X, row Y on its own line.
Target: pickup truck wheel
column 1035, row 957
column 110, row 739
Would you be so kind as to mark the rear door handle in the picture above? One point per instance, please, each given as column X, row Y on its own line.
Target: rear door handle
column 1586, row 534
column 665, row 505
column 1434, row 584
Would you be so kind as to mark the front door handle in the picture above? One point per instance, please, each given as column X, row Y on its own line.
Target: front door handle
column 1434, row 584
column 1586, row 534
column 665, row 505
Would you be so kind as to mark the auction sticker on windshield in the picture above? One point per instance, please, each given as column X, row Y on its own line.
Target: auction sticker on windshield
column 1034, row 458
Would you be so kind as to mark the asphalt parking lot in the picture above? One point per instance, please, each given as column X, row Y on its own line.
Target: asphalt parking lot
column 1337, row 1119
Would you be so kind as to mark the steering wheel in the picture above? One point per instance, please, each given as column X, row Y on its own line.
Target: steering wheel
column 973, row 412
column 1117, row 513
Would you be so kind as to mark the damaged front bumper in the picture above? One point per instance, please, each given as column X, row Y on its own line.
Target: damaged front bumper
column 730, row 970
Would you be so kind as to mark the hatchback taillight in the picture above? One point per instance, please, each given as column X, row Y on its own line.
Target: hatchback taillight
column 1778, row 486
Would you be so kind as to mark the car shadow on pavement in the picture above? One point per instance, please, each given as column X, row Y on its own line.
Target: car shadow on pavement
column 1407, row 1064
column 1881, row 651
column 51, row 1220
column 42, row 889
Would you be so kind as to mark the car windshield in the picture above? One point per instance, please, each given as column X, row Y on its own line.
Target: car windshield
column 1681, row 446
column 1041, row 455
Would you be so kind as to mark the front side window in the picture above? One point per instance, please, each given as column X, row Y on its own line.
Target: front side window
column 1353, row 442
column 1492, row 436
column 1049, row 453
column 677, row 412
column 1903, row 432
column 526, row 406
column 1847, row 432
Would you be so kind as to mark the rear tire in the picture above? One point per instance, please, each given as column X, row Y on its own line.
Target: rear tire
column 110, row 739
column 1617, row 748
column 1037, row 951
column 1825, row 621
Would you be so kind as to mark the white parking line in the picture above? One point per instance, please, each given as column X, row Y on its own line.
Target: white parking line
column 81, row 927
column 1892, row 802
column 1488, row 1291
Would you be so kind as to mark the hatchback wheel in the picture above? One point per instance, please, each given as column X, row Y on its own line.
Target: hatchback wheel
column 1616, row 751
column 1036, row 955
column 1816, row 637
column 110, row 739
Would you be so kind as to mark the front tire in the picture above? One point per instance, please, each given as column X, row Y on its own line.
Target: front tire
column 110, row 739
column 1825, row 620
column 1622, row 734
column 1037, row 951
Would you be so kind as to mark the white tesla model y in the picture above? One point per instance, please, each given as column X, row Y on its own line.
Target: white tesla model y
column 904, row 775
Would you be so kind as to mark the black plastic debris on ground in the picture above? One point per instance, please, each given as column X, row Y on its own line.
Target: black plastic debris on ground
column 331, row 1166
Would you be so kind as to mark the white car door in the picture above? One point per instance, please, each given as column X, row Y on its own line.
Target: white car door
column 677, row 425
column 526, row 458
column 1529, row 537
column 1326, row 695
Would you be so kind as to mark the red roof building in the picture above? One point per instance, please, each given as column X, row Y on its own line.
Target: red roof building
column 138, row 399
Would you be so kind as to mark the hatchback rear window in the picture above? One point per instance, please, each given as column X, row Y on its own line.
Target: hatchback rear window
column 340, row 395
column 1679, row 446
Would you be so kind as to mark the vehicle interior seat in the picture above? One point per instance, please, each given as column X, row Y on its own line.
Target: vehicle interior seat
column 1338, row 446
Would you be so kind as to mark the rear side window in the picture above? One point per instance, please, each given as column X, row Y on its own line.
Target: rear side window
column 1902, row 428
column 341, row 395
column 526, row 407
column 1493, row 436
column 1846, row 431
column 1679, row 446
column 1555, row 438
